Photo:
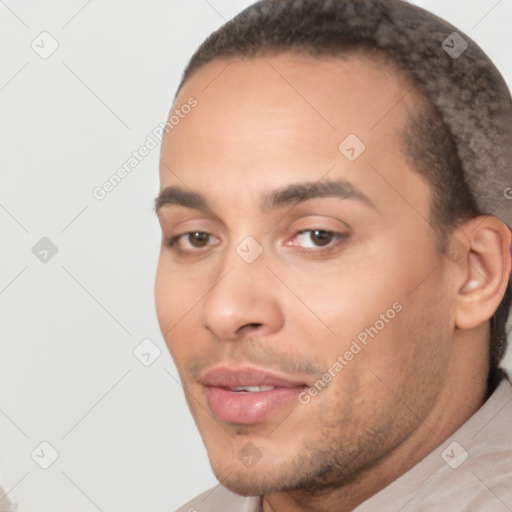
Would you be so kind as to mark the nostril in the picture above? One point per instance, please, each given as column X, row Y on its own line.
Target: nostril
column 247, row 328
column 250, row 327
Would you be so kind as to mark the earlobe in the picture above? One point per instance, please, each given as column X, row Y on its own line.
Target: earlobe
column 485, row 271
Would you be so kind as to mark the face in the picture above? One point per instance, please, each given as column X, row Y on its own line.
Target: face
column 299, row 287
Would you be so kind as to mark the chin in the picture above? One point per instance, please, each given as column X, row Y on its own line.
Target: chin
column 244, row 485
column 245, row 482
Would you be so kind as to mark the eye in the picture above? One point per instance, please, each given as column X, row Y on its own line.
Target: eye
column 190, row 241
column 311, row 238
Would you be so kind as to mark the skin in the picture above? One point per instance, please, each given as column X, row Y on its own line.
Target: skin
column 266, row 123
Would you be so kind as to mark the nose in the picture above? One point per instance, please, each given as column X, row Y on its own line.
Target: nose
column 243, row 302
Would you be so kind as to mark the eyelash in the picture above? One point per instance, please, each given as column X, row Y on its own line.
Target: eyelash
column 337, row 238
column 173, row 242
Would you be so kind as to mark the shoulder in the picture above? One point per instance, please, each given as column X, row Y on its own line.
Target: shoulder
column 477, row 470
column 220, row 499
column 469, row 471
column 480, row 476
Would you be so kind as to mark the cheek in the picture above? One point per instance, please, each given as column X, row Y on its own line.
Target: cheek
column 379, row 295
column 178, row 298
column 177, row 291
column 346, row 295
column 164, row 295
column 174, row 300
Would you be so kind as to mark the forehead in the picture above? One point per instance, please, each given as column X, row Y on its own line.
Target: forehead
column 287, row 117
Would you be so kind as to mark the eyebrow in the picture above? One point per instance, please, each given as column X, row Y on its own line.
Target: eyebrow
column 278, row 198
column 181, row 197
column 298, row 192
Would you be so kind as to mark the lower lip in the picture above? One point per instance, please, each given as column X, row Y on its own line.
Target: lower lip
column 247, row 408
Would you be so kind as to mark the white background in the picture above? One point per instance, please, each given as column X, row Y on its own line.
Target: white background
column 68, row 375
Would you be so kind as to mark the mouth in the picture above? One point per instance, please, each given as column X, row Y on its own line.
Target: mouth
column 248, row 396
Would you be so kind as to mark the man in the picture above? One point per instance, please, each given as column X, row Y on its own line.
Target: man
column 334, row 278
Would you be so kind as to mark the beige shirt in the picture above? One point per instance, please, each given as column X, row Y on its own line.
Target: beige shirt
column 5, row 504
column 469, row 472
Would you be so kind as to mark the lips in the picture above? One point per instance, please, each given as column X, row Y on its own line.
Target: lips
column 246, row 395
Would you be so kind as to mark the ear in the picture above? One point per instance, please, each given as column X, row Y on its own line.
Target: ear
column 484, row 269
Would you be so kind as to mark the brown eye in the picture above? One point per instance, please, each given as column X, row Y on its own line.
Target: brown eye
column 321, row 238
column 191, row 242
column 318, row 239
column 198, row 239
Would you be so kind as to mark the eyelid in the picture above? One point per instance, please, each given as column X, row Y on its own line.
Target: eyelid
column 320, row 222
column 183, row 225
column 177, row 215
column 173, row 241
column 338, row 238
